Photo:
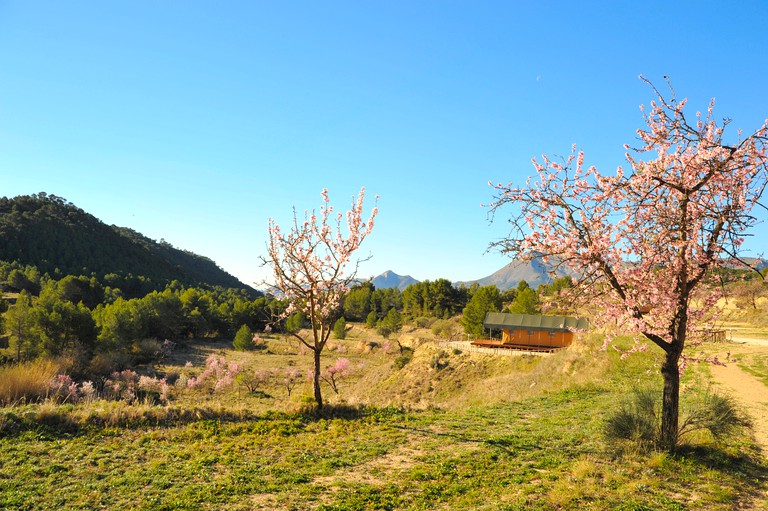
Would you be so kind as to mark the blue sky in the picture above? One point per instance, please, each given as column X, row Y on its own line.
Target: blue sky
column 197, row 121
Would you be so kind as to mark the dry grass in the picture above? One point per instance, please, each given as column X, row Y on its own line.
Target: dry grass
column 437, row 375
column 28, row 381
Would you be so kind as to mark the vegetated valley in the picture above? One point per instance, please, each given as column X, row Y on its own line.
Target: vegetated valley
column 144, row 377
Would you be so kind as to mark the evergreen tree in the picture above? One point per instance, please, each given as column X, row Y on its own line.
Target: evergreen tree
column 340, row 328
column 484, row 300
column 244, row 339
column 390, row 324
column 357, row 303
column 370, row 319
column 526, row 302
column 19, row 323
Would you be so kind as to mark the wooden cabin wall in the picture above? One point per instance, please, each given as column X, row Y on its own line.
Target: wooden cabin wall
column 537, row 338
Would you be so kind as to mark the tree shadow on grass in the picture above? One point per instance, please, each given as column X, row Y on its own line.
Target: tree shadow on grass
column 751, row 467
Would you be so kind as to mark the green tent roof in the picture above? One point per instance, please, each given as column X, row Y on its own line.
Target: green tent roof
column 501, row 320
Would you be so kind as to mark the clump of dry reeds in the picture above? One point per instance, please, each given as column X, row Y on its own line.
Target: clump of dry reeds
column 27, row 382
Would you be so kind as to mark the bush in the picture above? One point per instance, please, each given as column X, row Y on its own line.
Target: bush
column 715, row 413
column 638, row 419
column 443, row 329
column 105, row 363
column 146, row 351
column 424, row 322
column 439, row 361
column 404, row 358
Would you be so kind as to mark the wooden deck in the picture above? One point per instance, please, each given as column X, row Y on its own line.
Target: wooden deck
column 497, row 344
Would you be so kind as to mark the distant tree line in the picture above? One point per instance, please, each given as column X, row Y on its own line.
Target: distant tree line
column 423, row 302
column 100, row 329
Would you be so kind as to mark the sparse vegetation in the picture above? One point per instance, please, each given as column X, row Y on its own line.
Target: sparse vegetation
column 638, row 418
column 475, row 431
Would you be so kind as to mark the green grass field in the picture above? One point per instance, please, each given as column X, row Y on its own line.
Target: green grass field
column 480, row 432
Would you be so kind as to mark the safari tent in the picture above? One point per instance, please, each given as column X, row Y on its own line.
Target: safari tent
column 530, row 332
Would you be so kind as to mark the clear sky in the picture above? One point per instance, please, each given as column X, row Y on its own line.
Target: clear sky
column 196, row 121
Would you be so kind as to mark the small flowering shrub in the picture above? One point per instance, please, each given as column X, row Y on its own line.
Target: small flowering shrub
column 63, row 389
column 291, row 378
column 122, row 386
column 154, row 388
column 334, row 374
column 88, row 392
column 254, row 380
column 218, row 374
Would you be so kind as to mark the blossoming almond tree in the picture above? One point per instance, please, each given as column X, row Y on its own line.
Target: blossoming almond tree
column 313, row 268
column 645, row 239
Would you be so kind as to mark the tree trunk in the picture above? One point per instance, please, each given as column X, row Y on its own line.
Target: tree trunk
column 670, row 401
column 316, row 380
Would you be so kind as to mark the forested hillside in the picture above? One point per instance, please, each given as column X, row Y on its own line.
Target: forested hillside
column 58, row 238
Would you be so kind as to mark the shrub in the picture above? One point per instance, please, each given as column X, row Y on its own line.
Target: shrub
column 424, row 322
column 405, row 357
column 217, row 375
column 105, row 363
column 443, row 329
column 146, row 351
column 439, row 361
column 28, row 381
column 122, row 385
column 63, row 389
column 715, row 413
column 638, row 419
column 254, row 379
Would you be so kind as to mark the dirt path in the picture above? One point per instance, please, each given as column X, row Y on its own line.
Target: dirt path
column 745, row 388
column 750, row 392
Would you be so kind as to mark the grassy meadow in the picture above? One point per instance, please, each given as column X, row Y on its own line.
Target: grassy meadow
column 448, row 429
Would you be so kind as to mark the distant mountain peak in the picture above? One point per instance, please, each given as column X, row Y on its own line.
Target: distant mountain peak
column 535, row 272
column 390, row 279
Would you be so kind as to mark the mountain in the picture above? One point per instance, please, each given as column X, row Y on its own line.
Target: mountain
column 390, row 279
column 61, row 239
column 534, row 272
column 537, row 272
column 757, row 263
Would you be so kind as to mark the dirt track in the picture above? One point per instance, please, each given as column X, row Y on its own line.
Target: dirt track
column 750, row 392
column 745, row 388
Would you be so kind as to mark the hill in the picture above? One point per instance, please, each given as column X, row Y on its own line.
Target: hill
column 59, row 238
column 535, row 273
column 390, row 279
